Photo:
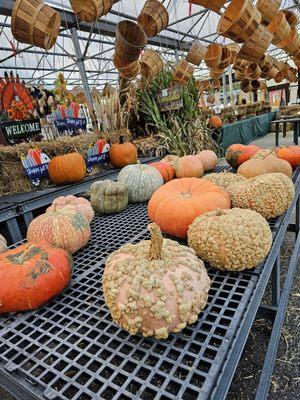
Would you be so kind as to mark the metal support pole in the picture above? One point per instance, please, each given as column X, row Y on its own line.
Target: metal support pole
column 224, row 90
column 231, row 92
column 176, row 55
column 81, row 66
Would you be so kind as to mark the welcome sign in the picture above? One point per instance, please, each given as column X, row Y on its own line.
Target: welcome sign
column 21, row 129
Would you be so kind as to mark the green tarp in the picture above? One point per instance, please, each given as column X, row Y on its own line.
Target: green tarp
column 247, row 130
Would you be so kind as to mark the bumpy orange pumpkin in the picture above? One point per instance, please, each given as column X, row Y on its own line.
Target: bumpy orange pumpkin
column 189, row 167
column 165, row 169
column 264, row 162
column 174, row 206
column 79, row 204
column 62, row 228
column 216, row 122
column 290, row 154
column 69, row 168
column 237, row 154
column 32, row 274
column 209, row 159
column 123, row 153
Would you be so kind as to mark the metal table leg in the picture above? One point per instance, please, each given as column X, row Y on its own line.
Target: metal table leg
column 277, row 134
column 276, row 282
column 14, row 230
column 284, row 129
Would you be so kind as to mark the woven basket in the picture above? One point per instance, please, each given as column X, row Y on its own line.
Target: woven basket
column 245, row 86
column 213, row 55
column 240, row 64
column 151, row 63
column 239, row 75
column 254, row 85
column 272, row 73
column 153, row 18
column 34, row 22
column 202, row 85
column 239, row 21
column 196, row 53
column 255, row 47
column 253, row 71
column 183, row 72
column 291, row 18
column 128, row 71
column 214, row 5
column 291, row 44
column 211, row 99
column 215, row 74
column 234, row 51
column 268, row 9
column 279, row 77
column 225, row 58
column 215, row 84
column 91, row 10
column 130, row 40
column 279, row 27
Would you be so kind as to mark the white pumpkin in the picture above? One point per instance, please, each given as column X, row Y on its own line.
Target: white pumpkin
column 3, row 244
column 141, row 181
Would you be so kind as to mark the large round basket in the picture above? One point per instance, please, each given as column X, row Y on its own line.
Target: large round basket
column 254, row 85
column 239, row 75
column 234, row 49
column 255, row 47
column 225, row 58
column 240, row 20
column 34, row 22
column 240, row 64
column 129, row 71
column 268, row 9
column 214, row 5
column 279, row 77
column 183, row 72
column 291, row 44
column 153, row 18
column 202, row 85
column 253, row 71
column 91, row 10
column 216, row 74
column 279, row 27
column 130, row 40
column 213, row 55
column 196, row 53
column 245, row 86
column 291, row 17
column 151, row 63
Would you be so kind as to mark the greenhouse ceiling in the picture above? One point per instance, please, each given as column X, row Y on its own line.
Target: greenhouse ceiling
column 97, row 41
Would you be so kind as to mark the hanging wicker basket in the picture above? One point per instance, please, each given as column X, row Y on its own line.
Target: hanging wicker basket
column 216, row 74
column 153, row 18
column 291, row 44
column 268, row 9
column 34, row 22
column 213, row 55
column 183, row 72
column 253, row 71
column 291, row 17
column 129, row 71
column 240, row 20
column 196, row 53
column 240, row 64
column 91, row 10
column 279, row 27
column 214, row 5
column 279, row 77
column 151, row 63
column 225, row 58
column 211, row 98
column 234, row 51
column 215, row 84
column 254, row 85
column 239, row 75
column 202, row 85
column 256, row 46
column 245, row 86
column 130, row 40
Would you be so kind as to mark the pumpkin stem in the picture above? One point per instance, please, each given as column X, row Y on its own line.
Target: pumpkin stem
column 155, row 252
column 24, row 255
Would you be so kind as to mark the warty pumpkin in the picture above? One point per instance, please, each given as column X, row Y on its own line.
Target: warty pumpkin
column 63, row 228
column 209, row 159
column 78, row 204
column 174, row 206
column 170, row 159
column 108, row 197
column 269, row 194
column 141, row 181
column 216, row 122
column 123, row 153
column 155, row 287
column 165, row 169
column 3, row 244
column 264, row 162
column 291, row 154
column 237, row 154
column 69, row 168
column 231, row 240
column 31, row 275
column 224, row 179
column 189, row 167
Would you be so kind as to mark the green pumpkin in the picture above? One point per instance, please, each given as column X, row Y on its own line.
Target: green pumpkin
column 141, row 181
column 108, row 197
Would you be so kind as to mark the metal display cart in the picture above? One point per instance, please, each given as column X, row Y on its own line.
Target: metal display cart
column 71, row 349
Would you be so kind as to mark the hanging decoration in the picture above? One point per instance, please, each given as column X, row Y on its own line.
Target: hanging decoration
column 91, row 10
column 153, row 18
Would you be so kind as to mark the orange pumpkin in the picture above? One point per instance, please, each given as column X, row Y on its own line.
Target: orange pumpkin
column 32, row 274
column 189, row 167
column 78, row 204
column 123, row 153
column 209, row 159
column 69, row 168
column 237, row 154
column 62, row 228
column 216, row 122
column 174, row 206
column 165, row 169
column 290, row 154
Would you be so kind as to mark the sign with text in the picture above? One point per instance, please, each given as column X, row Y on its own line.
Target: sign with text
column 70, row 124
column 21, row 129
column 35, row 165
column 169, row 99
column 98, row 153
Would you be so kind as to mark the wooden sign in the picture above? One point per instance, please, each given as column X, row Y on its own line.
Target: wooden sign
column 170, row 99
column 21, row 129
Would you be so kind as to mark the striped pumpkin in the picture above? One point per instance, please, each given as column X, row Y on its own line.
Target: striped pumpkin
column 141, row 181
column 189, row 167
column 78, row 204
column 63, row 228
column 3, row 244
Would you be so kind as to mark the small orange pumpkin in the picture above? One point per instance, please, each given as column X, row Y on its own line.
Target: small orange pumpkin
column 209, row 159
column 290, row 154
column 69, row 168
column 165, row 169
column 123, row 153
column 216, row 122
column 237, row 154
column 189, row 167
